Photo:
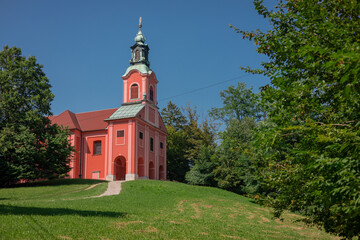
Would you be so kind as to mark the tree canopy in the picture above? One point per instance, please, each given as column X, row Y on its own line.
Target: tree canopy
column 188, row 143
column 308, row 153
column 239, row 102
column 240, row 110
column 173, row 116
column 30, row 147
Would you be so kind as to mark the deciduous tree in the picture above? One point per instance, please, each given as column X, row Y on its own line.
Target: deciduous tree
column 240, row 110
column 177, row 142
column 234, row 170
column 30, row 147
column 309, row 152
column 187, row 142
column 238, row 102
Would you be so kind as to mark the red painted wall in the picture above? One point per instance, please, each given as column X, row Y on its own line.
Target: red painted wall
column 133, row 78
column 152, row 82
column 119, row 144
column 94, row 163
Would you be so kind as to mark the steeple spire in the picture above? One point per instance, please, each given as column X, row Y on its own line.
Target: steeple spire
column 140, row 50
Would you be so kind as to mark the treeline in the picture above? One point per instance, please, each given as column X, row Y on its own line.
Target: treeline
column 198, row 153
column 296, row 145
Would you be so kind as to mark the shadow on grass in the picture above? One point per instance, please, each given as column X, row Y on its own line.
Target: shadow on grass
column 17, row 210
column 56, row 182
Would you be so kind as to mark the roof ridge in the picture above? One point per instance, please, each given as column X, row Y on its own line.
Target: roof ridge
column 77, row 120
column 74, row 118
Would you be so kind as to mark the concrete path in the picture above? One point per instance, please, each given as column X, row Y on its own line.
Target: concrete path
column 113, row 188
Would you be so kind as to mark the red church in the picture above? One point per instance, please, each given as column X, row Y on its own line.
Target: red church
column 125, row 143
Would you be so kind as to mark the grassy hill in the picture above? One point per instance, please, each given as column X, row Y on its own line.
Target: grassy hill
column 144, row 209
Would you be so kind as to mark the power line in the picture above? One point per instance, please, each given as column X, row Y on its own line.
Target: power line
column 202, row 88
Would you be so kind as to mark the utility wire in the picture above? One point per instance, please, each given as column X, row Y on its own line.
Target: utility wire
column 202, row 88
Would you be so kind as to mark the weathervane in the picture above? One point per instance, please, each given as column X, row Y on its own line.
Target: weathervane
column 140, row 23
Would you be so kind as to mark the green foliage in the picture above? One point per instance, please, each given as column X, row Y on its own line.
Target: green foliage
column 308, row 156
column 315, row 170
column 30, row 148
column 201, row 139
column 238, row 103
column 200, row 135
column 240, row 110
column 176, row 143
column 202, row 172
column 185, row 143
column 176, row 146
column 234, row 171
column 173, row 116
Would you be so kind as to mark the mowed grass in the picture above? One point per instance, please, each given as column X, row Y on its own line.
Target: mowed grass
column 145, row 209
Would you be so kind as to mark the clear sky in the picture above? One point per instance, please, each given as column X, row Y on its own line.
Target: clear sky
column 84, row 46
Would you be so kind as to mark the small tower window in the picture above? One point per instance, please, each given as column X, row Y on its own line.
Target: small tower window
column 137, row 55
column 134, row 91
column 141, row 135
column 151, row 94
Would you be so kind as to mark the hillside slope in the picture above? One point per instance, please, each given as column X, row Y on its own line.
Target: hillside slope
column 144, row 209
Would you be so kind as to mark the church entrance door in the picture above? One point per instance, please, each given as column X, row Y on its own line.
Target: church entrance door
column 120, row 168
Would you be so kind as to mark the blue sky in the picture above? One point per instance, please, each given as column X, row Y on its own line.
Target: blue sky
column 85, row 47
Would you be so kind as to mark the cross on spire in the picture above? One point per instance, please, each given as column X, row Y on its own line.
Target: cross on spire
column 140, row 23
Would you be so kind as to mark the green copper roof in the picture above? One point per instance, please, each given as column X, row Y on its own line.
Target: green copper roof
column 139, row 38
column 142, row 68
column 126, row 111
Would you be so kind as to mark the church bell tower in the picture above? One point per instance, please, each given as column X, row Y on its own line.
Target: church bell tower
column 137, row 130
column 142, row 85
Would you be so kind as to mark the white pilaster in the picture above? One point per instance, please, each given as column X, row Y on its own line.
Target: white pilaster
column 156, row 149
column 130, row 143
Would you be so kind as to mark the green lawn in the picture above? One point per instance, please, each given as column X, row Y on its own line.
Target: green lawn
column 144, row 209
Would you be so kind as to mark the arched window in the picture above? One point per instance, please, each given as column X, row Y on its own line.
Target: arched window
column 141, row 167
column 137, row 55
column 134, row 91
column 151, row 170
column 151, row 94
column 151, row 144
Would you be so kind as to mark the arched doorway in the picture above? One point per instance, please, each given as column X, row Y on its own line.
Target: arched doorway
column 161, row 173
column 151, row 170
column 120, row 168
column 141, row 166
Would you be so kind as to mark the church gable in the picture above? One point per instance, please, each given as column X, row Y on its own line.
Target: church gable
column 67, row 119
